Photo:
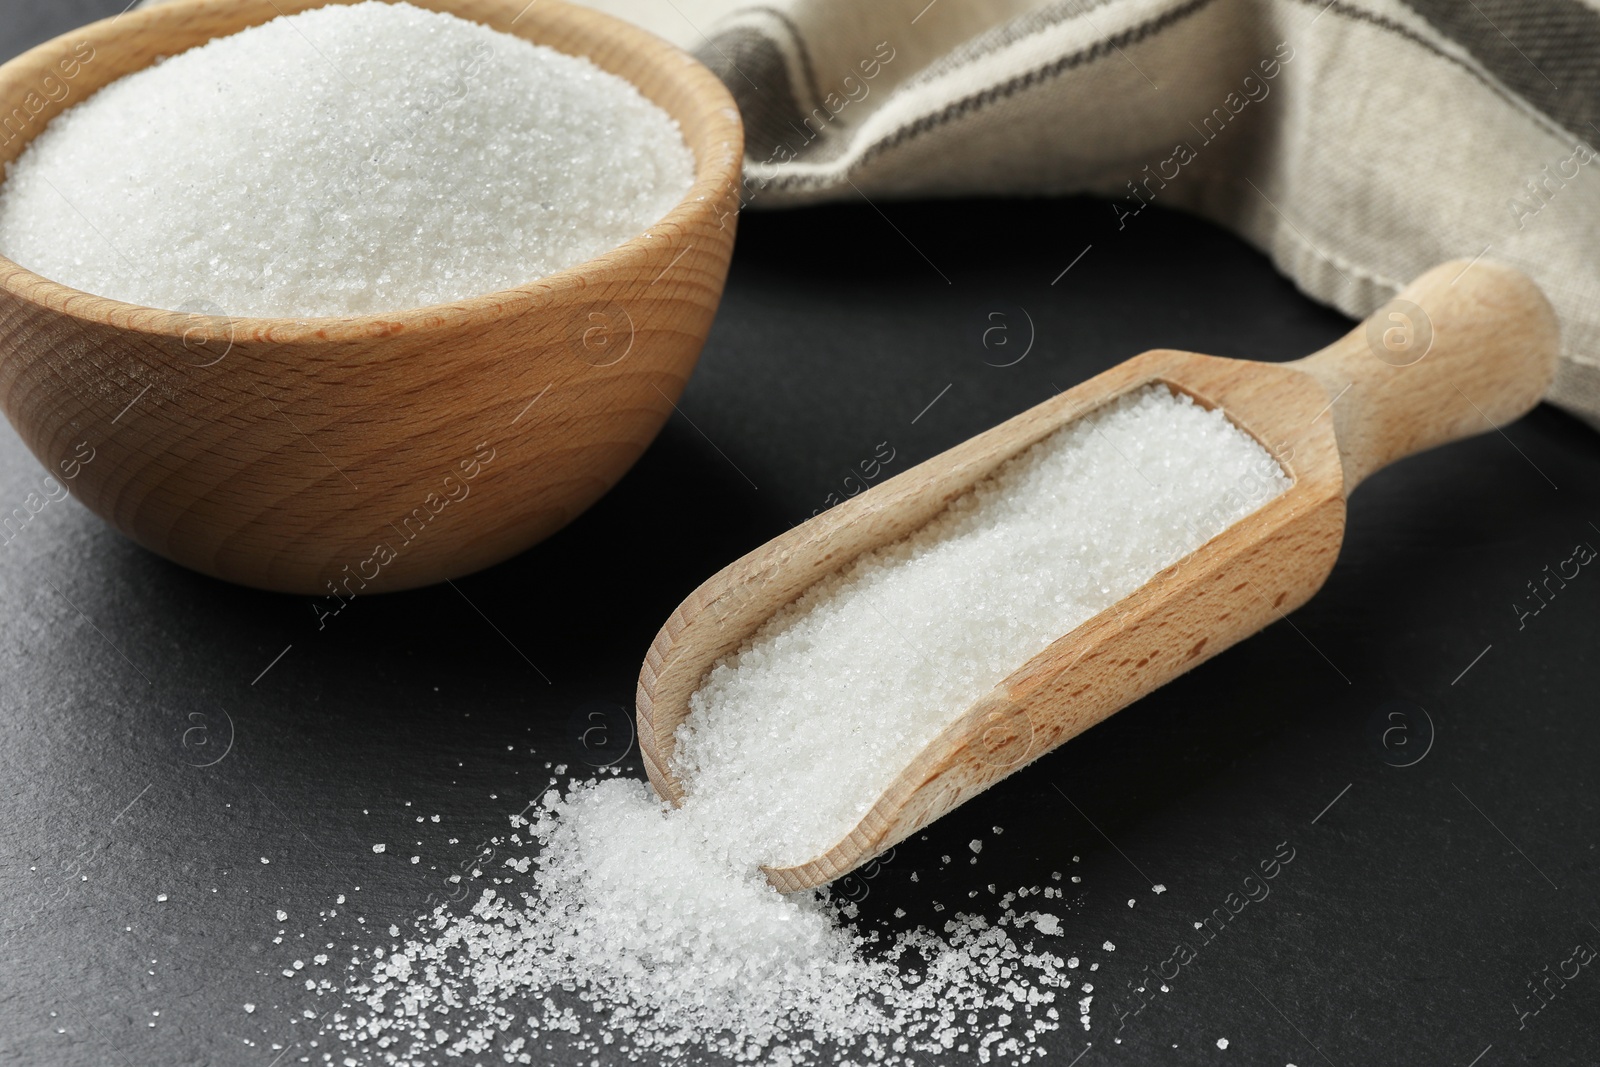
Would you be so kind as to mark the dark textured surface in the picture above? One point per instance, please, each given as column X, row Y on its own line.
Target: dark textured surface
column 1407, row 928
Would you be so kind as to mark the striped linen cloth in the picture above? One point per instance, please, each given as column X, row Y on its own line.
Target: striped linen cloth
column 1357, row 142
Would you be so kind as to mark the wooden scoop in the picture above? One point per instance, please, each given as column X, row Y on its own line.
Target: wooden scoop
column 1464, row 349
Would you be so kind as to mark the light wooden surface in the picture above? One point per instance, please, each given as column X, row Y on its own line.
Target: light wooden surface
column 288, row 454
column 1488, row 343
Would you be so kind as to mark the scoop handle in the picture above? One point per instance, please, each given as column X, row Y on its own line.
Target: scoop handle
column 1463, row 349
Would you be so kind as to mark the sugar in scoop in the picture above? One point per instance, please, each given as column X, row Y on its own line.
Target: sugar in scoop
column 802, row 729
column 352, row 159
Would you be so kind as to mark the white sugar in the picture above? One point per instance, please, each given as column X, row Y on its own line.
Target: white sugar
column 641, row 932
column 347, row 160
column 648, row 932
column 800, row 731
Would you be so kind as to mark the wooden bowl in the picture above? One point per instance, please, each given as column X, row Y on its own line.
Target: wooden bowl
column 379, row 452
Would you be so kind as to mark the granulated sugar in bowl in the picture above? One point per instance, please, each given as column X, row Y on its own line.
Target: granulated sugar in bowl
column 343, row 161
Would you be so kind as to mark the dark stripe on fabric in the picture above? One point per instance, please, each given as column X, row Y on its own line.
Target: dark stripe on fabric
column 1004, row 36
column 980, row 100
column 1360, row 14
column 756, row 72
column 813, row 86
column 1548, row 52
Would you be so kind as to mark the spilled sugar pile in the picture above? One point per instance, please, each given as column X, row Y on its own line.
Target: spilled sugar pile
column 636, row 943
column 648, row 933
column 346, row 160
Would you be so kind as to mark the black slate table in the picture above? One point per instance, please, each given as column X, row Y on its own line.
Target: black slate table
column 180, row 759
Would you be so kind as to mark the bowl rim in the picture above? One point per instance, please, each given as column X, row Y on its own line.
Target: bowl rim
column 718, row 164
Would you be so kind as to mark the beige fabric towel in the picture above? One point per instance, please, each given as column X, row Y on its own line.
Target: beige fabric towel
column 1358, row 142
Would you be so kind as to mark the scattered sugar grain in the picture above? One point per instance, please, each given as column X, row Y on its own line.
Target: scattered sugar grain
column 346, row 160
column 712, row 958
column 1047, row 924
